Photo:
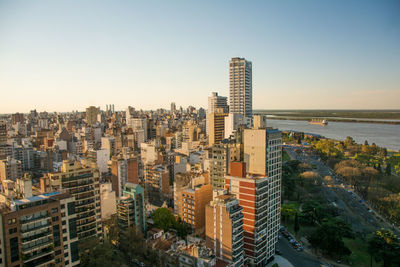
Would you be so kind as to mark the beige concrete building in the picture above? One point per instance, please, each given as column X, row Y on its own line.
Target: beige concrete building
column 191, row 202
column 83, row 183
column 3, row 133
column 108, row 201
column 224, row 229
column 259, row 122
column 241, row 87
column 10, row 169
column 39, row 231
column 91, row 115
column 222, row 155
column 216, row 126
column 259, row 192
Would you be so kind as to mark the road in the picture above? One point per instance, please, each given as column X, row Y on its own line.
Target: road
column 298, row 259
column 341, row 195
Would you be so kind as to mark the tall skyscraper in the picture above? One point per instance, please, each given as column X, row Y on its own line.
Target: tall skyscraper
column 240, row 87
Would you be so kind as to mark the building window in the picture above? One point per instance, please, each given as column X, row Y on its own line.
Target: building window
column 72, row 228
column 58, row 252
column 14, row 251
column 74, row 251
column 54, row 210
column 12, row 230
column 71, row 208
column 56, row 235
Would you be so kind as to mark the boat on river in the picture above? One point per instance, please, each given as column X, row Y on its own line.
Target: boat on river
column 318, row 122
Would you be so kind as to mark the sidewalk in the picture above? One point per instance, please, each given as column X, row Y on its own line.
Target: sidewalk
column 281, row 261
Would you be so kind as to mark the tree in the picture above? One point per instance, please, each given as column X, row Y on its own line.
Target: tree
column 163, row 219
column 388, row 170
column 132, row 244
column 287, row 211
column 349, row 141
column 384, row 246
column 327, row 148
column 94, row 253
column 328, row 238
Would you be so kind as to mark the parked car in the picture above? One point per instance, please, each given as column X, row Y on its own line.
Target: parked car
column 278, row 252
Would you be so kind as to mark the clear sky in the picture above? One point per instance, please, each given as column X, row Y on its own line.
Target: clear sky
column 67, row 55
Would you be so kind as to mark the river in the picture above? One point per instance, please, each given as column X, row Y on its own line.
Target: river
column 383, row 135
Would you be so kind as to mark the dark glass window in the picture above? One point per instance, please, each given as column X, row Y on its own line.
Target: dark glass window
column 74, row 251
column 71, row 208
column 56, row 235
column 14, row 251
column 72, row 228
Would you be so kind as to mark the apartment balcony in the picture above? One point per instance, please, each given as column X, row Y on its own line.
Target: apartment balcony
column 236, row 253
column 26, row 240
column 37, row 246
column 237, row 239
column 237, row 217
column 238, row 231
column 82, row 198
column 78, row 177
column 237, row 246
column 28, row 259
column 25, row 232
column 235, row 210
column 36, row 219
column 237, row 225
column 84, row 203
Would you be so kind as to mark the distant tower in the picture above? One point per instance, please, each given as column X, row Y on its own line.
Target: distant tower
column 240, row 86
column 173, row 107
column 215, row 101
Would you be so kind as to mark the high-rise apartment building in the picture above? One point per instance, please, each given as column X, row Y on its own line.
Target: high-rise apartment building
column 3, row 133
column 222, row 155
column 192, row 203
column 240, row 87
column 263, row 151
column 10, row 169
column 259, row 122
column 131, row 207
column 215, row 101
column 17, row 118
column 91, row 115
column 39, row 231
column 82, row 182
column 156, row 180
column 224, row 229
column 216, row 126
column 173, row 107
column 257, row 185
column 123, row 170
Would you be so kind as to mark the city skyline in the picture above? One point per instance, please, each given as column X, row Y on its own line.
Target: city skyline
column 67, row 56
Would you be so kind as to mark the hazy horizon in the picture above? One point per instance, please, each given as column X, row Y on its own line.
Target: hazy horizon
column 67, row 55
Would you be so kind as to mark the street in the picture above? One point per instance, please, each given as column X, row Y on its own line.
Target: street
column 298, row 259
column 355, row 211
